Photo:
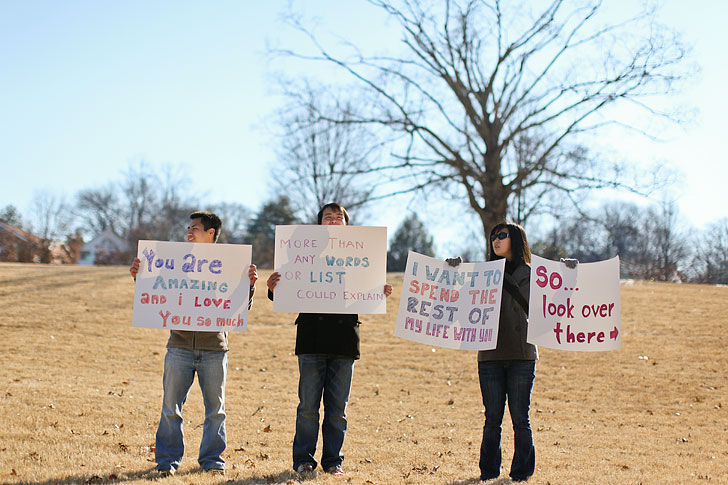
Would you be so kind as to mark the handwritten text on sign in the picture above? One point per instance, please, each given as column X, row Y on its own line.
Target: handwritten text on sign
column 452, row 307
column 574, row 309
column 331, row 269
column 188, row 286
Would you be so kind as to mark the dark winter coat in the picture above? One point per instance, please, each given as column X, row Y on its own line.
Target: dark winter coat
column 327, row 333
column 513, row 324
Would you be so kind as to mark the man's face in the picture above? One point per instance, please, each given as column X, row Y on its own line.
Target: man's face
column 196, row 232
column 332, row 217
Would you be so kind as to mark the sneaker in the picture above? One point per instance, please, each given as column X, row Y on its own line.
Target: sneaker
column 165, row 473
column 335, row 470
column 305, row 468
column 215, row 471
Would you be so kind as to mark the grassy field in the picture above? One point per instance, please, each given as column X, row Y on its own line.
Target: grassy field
column 81, row 394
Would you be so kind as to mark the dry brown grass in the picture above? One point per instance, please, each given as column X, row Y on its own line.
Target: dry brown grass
column 81, row 393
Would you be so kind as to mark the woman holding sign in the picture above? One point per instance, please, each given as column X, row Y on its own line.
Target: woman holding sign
column 508, row 371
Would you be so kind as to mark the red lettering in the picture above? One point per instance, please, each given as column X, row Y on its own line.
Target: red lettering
column 212, row 301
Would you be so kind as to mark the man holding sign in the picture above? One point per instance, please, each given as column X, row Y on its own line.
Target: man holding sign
column 190, row 352
column 326, row 345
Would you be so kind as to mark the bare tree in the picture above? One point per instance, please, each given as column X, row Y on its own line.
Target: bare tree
column 100, row 209
column 580, row 236
column 235, row 219
column 143, row 204
column 662, row 248
column 480, row 81
column 171, row 213
column 622, row 222
column 321, row 157
column 710, row 263
column 51, row 220
column 648, row 240
column 138, row 197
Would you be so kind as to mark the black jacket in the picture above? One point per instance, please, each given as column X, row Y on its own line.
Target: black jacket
column 327, row 333
column 513, row 324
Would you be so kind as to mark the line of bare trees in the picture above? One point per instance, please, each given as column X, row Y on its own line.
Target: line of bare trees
column 143, row 203
column 484, row 103
column 651, row 240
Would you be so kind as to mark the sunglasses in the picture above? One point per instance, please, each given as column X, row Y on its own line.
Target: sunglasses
column 500, row 235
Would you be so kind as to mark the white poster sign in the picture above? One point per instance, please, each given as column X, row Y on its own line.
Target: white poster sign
column 192, row 286
column 452, row 307
column 574, row 309
column 331, row 269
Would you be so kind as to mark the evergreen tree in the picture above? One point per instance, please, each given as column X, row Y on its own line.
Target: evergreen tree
column 411, row 235
column 262, row 229
column 10, row 215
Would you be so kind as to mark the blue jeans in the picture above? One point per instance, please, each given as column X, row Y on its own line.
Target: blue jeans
column 180, row 366
column 512, row 379
column 331, row 377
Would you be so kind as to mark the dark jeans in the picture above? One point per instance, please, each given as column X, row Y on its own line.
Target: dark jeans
column 330, row 378
column 512, row 379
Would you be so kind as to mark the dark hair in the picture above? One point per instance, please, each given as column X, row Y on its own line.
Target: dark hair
column 334, row 206
column 209, row 220
column 520, row 252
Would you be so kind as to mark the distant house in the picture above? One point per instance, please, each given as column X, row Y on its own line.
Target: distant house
column 105, row 248
column 18, row 245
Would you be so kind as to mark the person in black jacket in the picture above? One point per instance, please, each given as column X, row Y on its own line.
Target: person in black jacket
column 327, row 344
column 509, row 370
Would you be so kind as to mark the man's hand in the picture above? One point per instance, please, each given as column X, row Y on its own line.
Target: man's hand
column 387, row 289
column 454, row 261
column 253, row 275
column 135, row 267
column 570, row 263
column 273, row 280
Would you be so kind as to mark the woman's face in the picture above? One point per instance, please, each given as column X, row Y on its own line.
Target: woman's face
column 501, row 242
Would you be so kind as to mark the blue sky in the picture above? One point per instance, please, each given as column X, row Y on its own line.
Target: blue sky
column 88, row 87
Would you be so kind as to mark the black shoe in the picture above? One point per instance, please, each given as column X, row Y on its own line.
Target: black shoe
column 305, row 468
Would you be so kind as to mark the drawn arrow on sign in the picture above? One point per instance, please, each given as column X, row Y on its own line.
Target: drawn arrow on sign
column 613, row 334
